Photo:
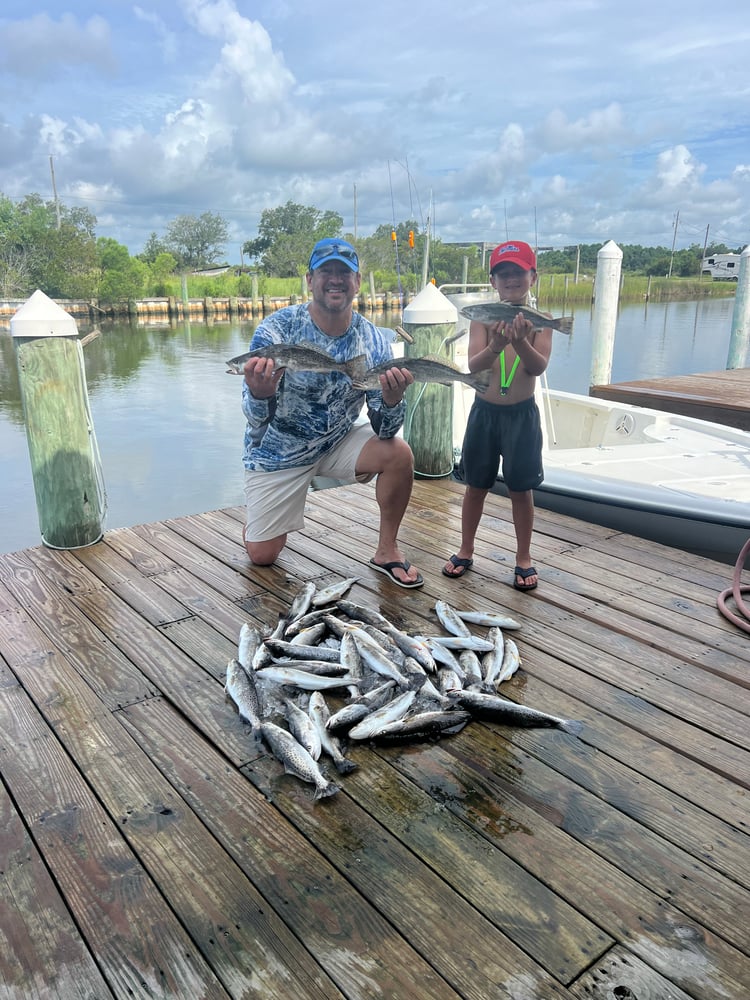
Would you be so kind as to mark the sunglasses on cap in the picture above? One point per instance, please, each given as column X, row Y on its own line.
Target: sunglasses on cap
column 333, row 250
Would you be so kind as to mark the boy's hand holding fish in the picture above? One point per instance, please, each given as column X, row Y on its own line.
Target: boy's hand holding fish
column 505, row 332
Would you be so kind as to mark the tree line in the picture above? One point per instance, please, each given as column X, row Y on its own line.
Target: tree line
column 47, row 245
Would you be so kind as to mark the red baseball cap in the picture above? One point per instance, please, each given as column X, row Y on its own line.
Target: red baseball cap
column 516, row 252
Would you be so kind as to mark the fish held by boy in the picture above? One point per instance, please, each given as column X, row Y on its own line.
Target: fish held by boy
column 304, row 357
column 496, row 312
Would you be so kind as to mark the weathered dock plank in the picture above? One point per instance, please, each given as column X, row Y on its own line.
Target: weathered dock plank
column 152, row 847
column 722, row 397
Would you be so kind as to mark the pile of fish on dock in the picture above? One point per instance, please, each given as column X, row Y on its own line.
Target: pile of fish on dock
column 394, row 686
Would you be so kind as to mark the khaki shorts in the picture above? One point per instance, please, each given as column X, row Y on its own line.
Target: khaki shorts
column 275, row 501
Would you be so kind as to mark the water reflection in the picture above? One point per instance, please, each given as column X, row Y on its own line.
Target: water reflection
column 10, row 390
column 169, row 425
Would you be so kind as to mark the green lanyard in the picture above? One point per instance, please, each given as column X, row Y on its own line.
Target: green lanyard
column 505, row 382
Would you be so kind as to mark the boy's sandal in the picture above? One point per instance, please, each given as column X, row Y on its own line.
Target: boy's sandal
column 461, row 565
column 524, row 574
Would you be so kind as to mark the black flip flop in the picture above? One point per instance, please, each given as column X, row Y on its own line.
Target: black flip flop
column 461, row 564
column 388, row 569
column 524, row 574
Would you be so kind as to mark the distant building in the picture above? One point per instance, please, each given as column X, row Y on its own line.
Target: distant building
column 212, row 272
column 722, row 266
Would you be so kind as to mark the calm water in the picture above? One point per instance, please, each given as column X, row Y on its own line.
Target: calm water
column 169, row 426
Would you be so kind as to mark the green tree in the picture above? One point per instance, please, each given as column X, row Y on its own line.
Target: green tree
column 196, row 241
column 658, row 266
column 17, row 258
column 557, row 261
column 382, row 252
column 160, row 271
column 687, row 263
column 38, row 252
column 151, row 250
column 287, row 234
column 446, row 264
column 122, row 276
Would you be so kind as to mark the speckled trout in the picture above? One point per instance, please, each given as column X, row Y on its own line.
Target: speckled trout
column 304, row 357
column 495, row 312
column 427, row 369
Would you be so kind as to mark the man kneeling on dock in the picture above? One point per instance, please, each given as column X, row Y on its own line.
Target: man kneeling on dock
column 303, row 424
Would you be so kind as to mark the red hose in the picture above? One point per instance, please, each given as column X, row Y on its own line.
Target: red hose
column 736, row 591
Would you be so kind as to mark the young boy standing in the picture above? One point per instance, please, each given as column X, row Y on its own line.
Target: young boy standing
column 504, row 423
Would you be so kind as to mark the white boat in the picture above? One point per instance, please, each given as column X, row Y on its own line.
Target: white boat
column 677, row 480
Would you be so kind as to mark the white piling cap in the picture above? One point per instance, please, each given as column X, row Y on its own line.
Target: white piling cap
column 430, row 306
column 39, row 316
column 610, row 250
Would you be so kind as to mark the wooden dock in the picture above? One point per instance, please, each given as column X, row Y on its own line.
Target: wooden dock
column 149, row 847
column 722, row 397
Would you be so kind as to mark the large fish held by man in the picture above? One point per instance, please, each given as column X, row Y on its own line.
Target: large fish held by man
column 304, row 357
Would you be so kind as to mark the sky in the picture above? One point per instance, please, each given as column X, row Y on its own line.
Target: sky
column 557, row 123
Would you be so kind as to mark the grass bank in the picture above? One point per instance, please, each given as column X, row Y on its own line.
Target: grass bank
column 551, row 288
column 562, row 289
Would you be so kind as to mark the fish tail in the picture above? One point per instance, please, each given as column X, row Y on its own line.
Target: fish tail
column 572, row 726
column 481, row 382
column 344, row 765
column 564, row 324
column 323, row 791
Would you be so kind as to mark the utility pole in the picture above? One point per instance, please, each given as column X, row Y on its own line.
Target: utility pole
column 54, row 190
column 355, row 211
column 705, row 244
column 674, row 240
column 426, row 254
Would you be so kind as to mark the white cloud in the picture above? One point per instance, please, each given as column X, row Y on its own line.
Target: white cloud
column 168, row 39
column 519, row 117
column 39, row 47
column 677, row 168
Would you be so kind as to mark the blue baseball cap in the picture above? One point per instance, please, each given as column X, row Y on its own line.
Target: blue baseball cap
column 333, row 249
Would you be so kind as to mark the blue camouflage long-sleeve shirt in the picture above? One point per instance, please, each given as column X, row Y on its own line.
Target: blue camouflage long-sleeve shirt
column 311, row 412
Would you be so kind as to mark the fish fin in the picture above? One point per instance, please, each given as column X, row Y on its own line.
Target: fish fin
column 356, row 369
column 564, row 324
column 452, row 730
column 440, row 360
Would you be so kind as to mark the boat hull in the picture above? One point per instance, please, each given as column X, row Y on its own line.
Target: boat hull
column 709, row 534
column 671, row 479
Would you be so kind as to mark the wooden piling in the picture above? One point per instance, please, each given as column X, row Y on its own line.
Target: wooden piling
column 428, row 428
column 59, row 429
column 740, row 338
column 606, row 297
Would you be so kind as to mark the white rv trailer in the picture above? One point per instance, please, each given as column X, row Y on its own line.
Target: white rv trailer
column 722, row 266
